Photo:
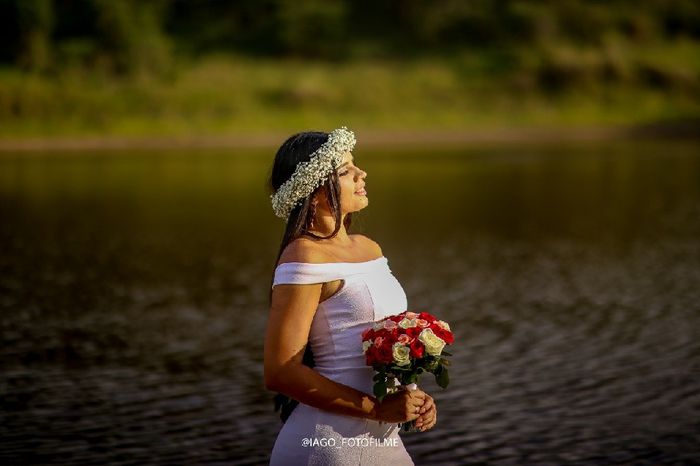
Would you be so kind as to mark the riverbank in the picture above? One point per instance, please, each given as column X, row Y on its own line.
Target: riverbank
column 244, row 102
column 686, row 129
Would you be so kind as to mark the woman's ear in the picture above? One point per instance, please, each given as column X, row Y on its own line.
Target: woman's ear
column 321, row 193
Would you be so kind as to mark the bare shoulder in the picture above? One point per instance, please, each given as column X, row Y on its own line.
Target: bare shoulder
column 368, row 243
column 304, row 250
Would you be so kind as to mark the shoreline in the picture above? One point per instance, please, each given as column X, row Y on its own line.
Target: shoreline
column 434, row 138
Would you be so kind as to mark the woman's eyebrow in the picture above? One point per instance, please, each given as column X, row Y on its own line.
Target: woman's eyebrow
column 342, row 165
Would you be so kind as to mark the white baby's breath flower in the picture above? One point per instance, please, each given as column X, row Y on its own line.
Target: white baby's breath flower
column 311, row 174
column 401, row 354
column 366, row 345
column 433, row 343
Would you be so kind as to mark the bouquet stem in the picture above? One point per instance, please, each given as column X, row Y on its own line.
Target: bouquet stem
column 409, row 426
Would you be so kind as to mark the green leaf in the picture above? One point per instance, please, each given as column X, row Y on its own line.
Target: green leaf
column 446, row 353
column 405, row 368
column 380, row 390
column 443, row 378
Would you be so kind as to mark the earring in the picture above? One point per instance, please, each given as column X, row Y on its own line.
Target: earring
column 313, row 215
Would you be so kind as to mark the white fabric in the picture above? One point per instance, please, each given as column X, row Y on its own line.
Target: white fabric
column 370, row 292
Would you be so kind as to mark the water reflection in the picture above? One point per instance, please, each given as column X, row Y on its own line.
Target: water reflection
column 133, row 294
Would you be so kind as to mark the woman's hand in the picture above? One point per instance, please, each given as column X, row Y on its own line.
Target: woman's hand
column 401, row 406
column 428, row 414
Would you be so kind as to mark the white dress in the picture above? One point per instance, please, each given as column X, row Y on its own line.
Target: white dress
column 311, row 436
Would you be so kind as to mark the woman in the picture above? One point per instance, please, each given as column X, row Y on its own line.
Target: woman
column 328, row 287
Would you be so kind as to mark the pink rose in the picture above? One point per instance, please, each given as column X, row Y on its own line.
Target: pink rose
column 405, row 339
column 390, row 324
column 422, row 323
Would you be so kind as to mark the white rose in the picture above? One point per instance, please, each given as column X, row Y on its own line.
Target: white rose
column 443, row 324
column 366, row 345
column 433, row 343
column 400, row 353
column 407, row 323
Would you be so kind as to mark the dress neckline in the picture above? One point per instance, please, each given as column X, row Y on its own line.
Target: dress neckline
column 334, row 263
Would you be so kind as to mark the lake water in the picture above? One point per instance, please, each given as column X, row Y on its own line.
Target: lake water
column 134, row 287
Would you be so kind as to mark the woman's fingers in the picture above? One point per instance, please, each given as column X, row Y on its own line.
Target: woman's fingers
column 426, row 417
column 428, row 425
column 432, row 423
column 427, row 420
column 429, row 403
column 417, row 400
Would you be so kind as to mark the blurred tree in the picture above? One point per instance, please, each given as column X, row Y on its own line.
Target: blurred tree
column 313, row 28
column 130, row 34
column 34, row 24
column 200, row 26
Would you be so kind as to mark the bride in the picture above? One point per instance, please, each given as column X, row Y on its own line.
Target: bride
column 328, row 286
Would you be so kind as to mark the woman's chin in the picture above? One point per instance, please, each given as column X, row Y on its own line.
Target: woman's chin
column 361, row 205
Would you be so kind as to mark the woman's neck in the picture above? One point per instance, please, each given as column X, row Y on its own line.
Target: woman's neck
column 324, row 226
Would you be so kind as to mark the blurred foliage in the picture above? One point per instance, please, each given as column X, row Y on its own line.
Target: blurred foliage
column 129, row 66
column 132, row 34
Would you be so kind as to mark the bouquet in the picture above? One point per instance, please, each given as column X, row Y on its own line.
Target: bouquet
column 402, row 347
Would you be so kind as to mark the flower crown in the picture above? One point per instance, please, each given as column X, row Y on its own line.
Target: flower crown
column 309, row 175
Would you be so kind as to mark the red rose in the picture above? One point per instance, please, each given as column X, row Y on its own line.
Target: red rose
column 394, row 334
column 413, row 332
column 387, row 343
column 371, row 355
column 416, row 349
column 385, row 354
column 445, row 335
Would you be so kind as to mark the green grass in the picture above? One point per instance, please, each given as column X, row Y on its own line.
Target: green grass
column 615, row 85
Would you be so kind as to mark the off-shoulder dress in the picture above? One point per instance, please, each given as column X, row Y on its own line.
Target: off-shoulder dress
column 311, row 436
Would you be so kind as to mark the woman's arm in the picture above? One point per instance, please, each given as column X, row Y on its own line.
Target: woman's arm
column 286, row 336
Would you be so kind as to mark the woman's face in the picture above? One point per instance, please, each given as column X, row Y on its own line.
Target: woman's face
column 353, row 196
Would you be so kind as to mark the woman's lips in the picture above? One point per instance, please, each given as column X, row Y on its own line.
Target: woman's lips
column 361, row 192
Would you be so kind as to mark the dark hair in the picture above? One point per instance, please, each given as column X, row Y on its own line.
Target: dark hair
column 298, row 148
